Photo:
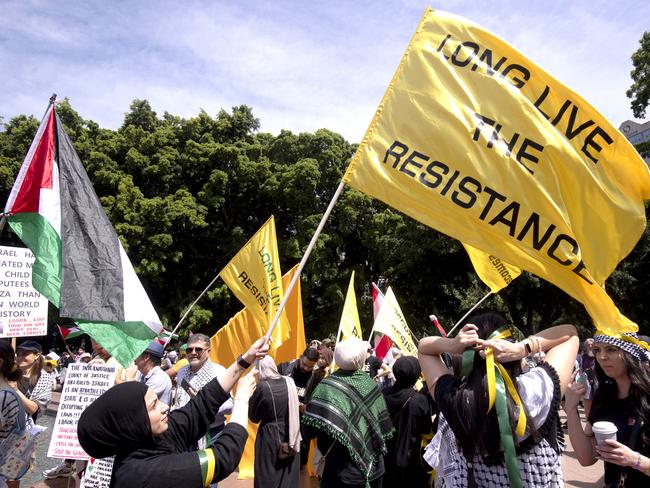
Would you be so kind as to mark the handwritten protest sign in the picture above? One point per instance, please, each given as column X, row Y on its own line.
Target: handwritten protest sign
column 83, row 384
column 98, row 473
column 23, row 310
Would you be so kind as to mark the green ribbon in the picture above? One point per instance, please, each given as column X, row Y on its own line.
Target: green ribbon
column 505, row 430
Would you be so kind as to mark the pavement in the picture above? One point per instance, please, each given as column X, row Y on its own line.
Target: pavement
column 575, row 476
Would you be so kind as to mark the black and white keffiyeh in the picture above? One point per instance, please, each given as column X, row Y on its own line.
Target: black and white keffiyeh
column 631, row 345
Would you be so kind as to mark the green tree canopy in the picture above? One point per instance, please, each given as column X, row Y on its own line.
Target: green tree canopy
column 639, row 92
column 184, row 194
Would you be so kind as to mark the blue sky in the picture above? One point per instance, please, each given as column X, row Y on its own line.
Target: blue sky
column 300, row 65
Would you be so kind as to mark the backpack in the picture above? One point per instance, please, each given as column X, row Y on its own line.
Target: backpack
column 18, row 449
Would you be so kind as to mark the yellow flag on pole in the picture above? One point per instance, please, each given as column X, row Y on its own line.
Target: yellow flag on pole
column 254, row 277
column 350, row 325
column 240, row 332
column 475, row 140
column 495, row 273
column 391, row 321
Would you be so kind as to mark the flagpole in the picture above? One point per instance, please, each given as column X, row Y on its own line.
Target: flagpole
column 469, row 312
column 190, row 308
column 303, row 261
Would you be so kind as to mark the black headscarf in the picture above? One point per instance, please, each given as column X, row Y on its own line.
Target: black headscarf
column 406, row 371
column 117, row 422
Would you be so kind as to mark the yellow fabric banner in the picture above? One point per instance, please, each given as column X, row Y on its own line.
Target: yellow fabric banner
column 390, row 321
column 254, row 277
column 495, row 273
column 240, row 332
column 473, row 139
column 350, row 325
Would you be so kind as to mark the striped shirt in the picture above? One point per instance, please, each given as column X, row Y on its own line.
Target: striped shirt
column 8, row 412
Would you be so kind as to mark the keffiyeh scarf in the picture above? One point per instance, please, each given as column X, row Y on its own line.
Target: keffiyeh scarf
column 349, row 407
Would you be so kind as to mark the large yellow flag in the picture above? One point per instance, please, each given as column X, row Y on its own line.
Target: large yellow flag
column 254, row 277
column 390, row 321
column 350, row 325
column 240, row 332
column 493, row 271
column 475, row 140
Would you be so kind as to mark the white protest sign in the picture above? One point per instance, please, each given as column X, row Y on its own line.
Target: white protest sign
column 83, row 384
column 23, row 310
column 98, row 473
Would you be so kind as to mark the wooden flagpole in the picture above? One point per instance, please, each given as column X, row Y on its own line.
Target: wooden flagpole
column 469, row 312
column 303, row 261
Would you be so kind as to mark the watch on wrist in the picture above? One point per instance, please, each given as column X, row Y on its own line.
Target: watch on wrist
column 242, row 362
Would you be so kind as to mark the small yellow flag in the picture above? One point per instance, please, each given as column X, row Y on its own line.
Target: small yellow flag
column 240, row 332
column 391, row 321
column 495, row 273
column 350, row 325
column 474, row 140
column 254, row 277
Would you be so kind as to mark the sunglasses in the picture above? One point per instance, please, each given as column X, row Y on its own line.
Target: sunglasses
column 197, row 350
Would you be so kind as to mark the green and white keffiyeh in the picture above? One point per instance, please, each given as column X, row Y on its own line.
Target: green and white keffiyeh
column 348, row 407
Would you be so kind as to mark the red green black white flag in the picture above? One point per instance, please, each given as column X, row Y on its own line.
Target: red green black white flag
column 80, row 264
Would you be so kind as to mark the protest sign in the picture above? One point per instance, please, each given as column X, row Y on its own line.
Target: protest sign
column 23, row 310
column 83, row 384
column 98, row 473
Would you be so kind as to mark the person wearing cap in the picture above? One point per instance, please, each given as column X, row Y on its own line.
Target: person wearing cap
column 622, row 397
column 35, row 385
column 151, row 374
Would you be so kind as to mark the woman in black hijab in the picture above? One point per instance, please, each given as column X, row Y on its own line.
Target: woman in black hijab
column 409, row 410
column 157, row 448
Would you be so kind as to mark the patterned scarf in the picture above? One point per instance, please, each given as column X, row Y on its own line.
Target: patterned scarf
column 628, row 342
column 348, row 406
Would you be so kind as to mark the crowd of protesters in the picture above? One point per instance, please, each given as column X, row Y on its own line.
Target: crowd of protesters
column 480, row 409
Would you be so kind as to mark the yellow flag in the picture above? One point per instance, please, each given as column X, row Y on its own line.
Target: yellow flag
column 240, row 332
column 254, row 277
column 495, row 273
column 350, row 325
column 390, row 321
column 473, row 139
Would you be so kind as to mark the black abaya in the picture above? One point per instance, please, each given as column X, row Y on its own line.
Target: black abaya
column 270, row 473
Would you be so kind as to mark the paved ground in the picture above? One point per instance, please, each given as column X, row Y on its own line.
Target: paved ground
column 575, row 476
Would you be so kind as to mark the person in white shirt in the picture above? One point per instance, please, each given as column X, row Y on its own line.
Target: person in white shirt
column 150, row 373
column 198, row 373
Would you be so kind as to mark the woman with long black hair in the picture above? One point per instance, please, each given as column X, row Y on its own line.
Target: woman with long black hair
column 622, row 398
column 499, row 425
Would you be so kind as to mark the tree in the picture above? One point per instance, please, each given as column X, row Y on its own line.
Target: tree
column 639, row 92
column 185, row 194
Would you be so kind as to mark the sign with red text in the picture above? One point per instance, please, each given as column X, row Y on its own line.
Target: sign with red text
column 98, row 473
column 83, row 384
column 23, row 310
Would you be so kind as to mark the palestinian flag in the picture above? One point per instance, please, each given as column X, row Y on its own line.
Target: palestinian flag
column 80, row 265
column 382, row 342
column 70, row 332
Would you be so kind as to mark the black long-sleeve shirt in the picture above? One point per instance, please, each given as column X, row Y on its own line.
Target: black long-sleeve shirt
column 174, row 462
